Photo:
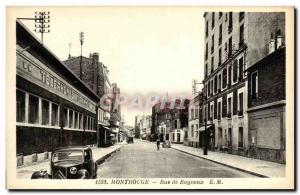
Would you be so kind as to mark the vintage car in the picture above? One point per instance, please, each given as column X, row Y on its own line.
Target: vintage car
column 70, row 163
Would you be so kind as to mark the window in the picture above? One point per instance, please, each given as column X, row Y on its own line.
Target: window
column 241, row 102
column 220, row 34
column 213, row 20
column 212, row 86
column 216, row 84
column 196, row 113
column 192, row 132
column 254, row 85
column 241, row 16
column 71, row 124
column 85, row 122
column 208, row 88
column 175, row 123
column 241, row 43
column 80, row 121
column 241, row 68
column 235, row 71
column 230, row 23
column 220, row 56
column 205, row 70
column 219, row 111
column 54, row 115
column 229, row 76
column 20, row 106
column 229, row 47
column 206, row 29
column 33, row 117
column 192, row 113
column 241, row 137
column 45, row 112
column 229, row 105
column 76, row 121
column 219, row 83
column 211, row 111
column 206, row 51
column 212, row 64
column 224, row 77
column 66, row 122
column 212, row 44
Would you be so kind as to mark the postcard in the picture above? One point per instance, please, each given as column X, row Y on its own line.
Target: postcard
column 150, row 97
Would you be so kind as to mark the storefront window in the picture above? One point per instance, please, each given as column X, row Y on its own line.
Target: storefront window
column 66, row 122
column 33, row 117
column 76, row 121
column 71, row 119
column 54, row 115
column 80, row 121
column 45, row 112
column 20, row 106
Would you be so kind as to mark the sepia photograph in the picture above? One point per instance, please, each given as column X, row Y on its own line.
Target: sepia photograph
column 170, row 97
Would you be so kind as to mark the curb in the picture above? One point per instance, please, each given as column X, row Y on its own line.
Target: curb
column 239, row 169
column 102, row 159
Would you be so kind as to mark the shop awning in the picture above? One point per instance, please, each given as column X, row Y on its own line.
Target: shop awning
column 203, row 128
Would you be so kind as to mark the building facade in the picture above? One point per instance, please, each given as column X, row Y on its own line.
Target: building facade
column 192, row 137
column 143, row 126
column 234, row 41
column 95, row 75
column 54, row 108
column 266, row 105
column 170, row 120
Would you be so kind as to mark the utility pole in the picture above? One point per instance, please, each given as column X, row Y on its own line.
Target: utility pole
column 41, row 23
column 81, row 39
column 42, row 20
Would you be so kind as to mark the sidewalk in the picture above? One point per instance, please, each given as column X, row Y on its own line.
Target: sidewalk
column 254, row 166
column 99, row 155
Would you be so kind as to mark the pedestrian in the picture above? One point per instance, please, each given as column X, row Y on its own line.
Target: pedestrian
column 158, row 143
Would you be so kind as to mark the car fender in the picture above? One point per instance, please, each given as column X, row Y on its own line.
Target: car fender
column 83, row 174
column 40, row 175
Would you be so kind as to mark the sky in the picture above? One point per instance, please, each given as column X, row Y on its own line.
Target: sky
column 148, row 50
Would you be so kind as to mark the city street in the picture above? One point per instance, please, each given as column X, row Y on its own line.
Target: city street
column 142, row 160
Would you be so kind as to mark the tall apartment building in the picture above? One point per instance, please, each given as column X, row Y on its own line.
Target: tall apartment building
column 234, row 41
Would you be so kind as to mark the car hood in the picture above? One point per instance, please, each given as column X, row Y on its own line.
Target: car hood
column 66, row 164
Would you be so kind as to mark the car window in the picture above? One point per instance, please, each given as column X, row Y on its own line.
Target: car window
column 87, row 155
column 67, row 156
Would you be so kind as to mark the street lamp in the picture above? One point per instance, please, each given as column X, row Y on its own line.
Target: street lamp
column 203, row 100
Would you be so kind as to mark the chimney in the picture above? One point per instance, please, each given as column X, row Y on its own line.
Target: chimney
column 271, row 44
column 95, row 57
column 279, row 39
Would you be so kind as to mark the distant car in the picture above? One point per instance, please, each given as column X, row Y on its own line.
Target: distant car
column 130, row 140
column 70, row 163
column 166, row 144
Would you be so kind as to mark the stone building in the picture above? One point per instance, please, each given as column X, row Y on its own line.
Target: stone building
column 170, row 119
column 95, row 75
column 54, row 108
column 234, row 41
